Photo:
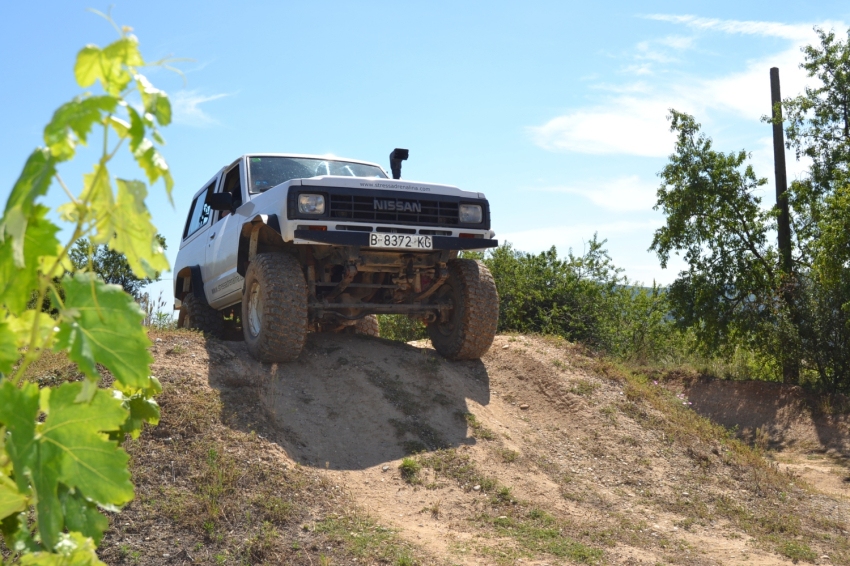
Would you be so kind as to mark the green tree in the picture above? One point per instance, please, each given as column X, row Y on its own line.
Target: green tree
column 110, row 266
column 715, row 221
column 732, row 293
column 581, row 298
column 60, row 457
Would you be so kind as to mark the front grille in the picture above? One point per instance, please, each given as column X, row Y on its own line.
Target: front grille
column 434, row 212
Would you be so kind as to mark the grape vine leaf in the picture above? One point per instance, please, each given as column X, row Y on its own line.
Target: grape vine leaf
column 137, row 129
column 73, row 549
column 154, row 100
column 18, row 413
column 102, row 323
column 142, row 409
column 97, row 190
column 72, row 450
column 87, row 67
column 107, row 64
column 32, row 183
column 76, row 117
column 11, row 500
column 8, row 348
column 153, row 164
column 135, row 234
column 18, row 281
column 82, row 515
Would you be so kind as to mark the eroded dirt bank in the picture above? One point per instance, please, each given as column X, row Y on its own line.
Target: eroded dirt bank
column 536, row 454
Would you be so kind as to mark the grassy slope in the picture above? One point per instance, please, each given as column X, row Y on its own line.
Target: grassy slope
column 212, row 491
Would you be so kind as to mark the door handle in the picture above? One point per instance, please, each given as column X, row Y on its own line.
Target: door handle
column 212, row 235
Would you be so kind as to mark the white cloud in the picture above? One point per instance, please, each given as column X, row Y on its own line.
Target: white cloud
column 628, row 124
column 573, row 236
column 770, row 29
column 632, row 121
column 620, row 194
column 187, row 108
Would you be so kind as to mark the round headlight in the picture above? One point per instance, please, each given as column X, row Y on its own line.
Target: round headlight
column 311, row 204
column 470, row 214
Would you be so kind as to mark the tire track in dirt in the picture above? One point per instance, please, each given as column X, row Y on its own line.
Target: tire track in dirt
column 564, row 439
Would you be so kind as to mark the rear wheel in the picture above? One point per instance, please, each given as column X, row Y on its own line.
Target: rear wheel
column 197, row 315
column 471, row 325
column 368, row 325
column 274, row 308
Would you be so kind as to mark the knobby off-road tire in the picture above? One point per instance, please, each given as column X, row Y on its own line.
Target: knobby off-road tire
column 368, row 326
column 471, row 327
column 274, row 308
column 196, row 315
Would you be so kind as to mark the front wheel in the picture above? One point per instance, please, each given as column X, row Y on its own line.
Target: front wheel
column 274, row 308
column 471, row 325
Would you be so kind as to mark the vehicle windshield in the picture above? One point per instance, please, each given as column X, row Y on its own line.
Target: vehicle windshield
column 268, row 172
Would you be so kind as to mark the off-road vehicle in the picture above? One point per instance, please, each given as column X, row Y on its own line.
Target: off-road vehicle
column 284, row 244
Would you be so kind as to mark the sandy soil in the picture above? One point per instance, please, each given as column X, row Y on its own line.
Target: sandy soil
column 548, row 426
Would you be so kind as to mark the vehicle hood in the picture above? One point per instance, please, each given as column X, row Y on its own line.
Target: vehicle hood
column 385, row 185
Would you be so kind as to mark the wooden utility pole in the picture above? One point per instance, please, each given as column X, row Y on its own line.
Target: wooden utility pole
column 790, row 368
column 784, row 219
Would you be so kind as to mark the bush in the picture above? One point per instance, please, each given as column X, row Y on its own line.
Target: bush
column 401, row 328
column 583, row 299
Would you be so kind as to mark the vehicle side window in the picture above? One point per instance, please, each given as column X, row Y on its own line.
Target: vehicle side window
column 199, row 212
column 233, row 185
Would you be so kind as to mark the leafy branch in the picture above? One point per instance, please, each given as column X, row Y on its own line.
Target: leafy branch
column 60, row 454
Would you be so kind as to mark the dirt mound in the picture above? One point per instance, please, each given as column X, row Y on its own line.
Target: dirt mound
column 780, row 416
column 537, row 453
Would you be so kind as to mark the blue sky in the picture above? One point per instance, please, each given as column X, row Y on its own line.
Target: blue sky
column 555, row 110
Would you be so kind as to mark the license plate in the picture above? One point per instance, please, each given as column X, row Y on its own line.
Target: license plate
column 400, row 241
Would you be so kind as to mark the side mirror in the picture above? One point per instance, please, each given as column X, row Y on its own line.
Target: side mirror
column 220, row 201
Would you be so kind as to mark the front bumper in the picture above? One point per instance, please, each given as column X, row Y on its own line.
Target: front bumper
column 344, row 238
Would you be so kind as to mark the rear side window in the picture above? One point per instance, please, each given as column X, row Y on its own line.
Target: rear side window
column 199, row 213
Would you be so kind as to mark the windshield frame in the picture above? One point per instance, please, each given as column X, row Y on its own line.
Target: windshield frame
column 317, row 158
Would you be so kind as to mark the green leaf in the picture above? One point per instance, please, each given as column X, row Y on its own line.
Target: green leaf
column 19, row 279
column 153, row 164
column 137, row 129
column 75, row 117
column 162, row 109
column 124, row 51
column 121, row 127
column 18, row 413
column 16, row 533
column 142, row 409
column 73, row 549
column 154, row 100
column 101, row 323
column 82, row 515
column 135, row 234
column 97, row 190
column 87, row 67
column 88, row 462
column 22, row 325
column 108, row 65
column 32, row 183
column 11, row 500
column 8, row 349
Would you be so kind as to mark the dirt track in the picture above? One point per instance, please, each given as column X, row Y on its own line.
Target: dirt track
column 603, row 468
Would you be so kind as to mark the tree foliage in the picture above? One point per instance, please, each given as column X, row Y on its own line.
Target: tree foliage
column 60, row 454
column 733, row 292
column 583, row 298
column 110, row 266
